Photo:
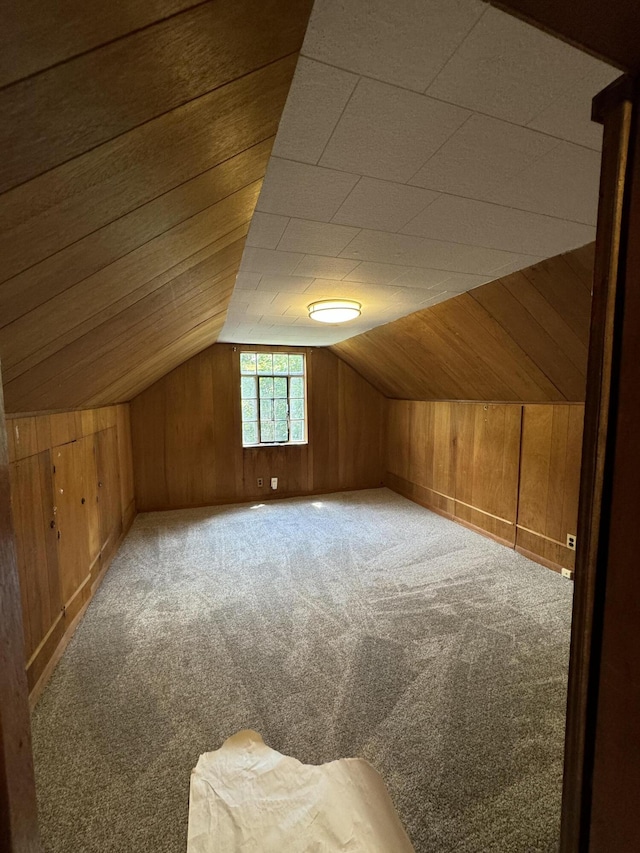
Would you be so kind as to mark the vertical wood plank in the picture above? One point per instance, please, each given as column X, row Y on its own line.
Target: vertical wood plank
column 18, row 808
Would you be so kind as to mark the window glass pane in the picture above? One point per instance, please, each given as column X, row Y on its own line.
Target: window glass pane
column 280, row 410
column 247, row 362
column 297, row 409
column 249, row 410
column 296, row 386
column 250, row 433
column 280, row 386
column 248, row 387
column 265, row 362
column 297, row 430
column 267, row 431
column 266, row 386
column 280, row 362
column 273, row 407
column 296, row 364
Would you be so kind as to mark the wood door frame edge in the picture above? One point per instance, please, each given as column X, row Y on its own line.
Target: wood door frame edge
column 613, row 107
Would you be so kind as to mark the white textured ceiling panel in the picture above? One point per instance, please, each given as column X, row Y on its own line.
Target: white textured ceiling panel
column 388, row 133
column 508, row 69
column 427, row 146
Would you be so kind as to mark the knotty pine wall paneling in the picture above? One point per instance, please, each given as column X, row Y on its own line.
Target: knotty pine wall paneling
column 72, row 501
column 506, row 470
column 187, row 446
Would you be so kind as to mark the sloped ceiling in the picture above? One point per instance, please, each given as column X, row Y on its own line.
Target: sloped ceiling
column 523, row 337
column 426, row 148
column 134, row 140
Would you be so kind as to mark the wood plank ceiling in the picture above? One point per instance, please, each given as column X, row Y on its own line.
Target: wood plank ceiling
column 523, row 337
column 134, row 141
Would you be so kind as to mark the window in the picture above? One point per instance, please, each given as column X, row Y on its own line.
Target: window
column 272, row 390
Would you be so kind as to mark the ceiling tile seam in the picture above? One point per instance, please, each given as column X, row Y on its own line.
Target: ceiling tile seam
column 392, row 263
column 438, row 193
column 502, row 207
column 455, row 195
column 104, row 44
column 342, row 112
column 551, row 103
column 157, row 117
column 88, row 360
column 298, row 219
column 515, row 124
column 144, row 204
column 518, row 172
column 449, row 103
column 408, row 182
column 417, row 236
column 132, row 251
column 458, row 47
column 451, row 243
column 313, row 255
column 125, row 296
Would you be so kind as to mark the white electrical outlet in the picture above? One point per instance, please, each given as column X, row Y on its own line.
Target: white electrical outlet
column 274, row 482
column 571, row 541
column 260, row 481
column 568, row 574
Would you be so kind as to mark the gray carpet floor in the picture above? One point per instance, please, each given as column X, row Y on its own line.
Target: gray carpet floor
column 354, row 624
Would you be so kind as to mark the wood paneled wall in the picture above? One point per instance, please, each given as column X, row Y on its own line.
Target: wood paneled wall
column 507, row 470
column 72, row 499
column 549, row 482
column 133, row 148
column 187, row 444
column 523, row 337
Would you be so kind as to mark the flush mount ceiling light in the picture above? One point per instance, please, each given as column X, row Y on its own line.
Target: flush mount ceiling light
column 334, row 310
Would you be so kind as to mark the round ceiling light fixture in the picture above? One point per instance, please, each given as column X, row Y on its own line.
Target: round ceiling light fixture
column 334, row 310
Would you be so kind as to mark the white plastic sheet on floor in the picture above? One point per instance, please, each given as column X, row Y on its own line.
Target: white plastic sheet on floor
column 247, row 797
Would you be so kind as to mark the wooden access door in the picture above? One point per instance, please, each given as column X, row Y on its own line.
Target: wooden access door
column 36, row 545
column 72, row 517
column 108, row 474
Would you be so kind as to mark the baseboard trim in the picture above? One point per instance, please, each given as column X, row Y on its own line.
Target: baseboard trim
column 549, row 564
column 74, row 621
column 419, row 495
column 268, row 496
column 486, row 533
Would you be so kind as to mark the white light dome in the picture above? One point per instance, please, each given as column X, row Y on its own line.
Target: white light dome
column 334, row 310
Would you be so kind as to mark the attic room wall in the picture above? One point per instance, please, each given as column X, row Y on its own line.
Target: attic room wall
column 504, row 469
column 72, row 502
column 187, row 446
column 509, row 464
column 523, row 337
